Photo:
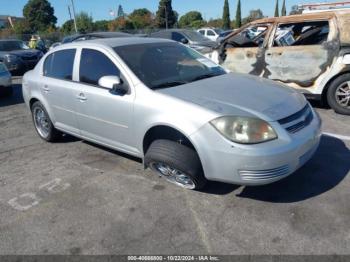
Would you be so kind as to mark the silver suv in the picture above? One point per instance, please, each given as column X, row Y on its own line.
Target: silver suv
column 186, row 117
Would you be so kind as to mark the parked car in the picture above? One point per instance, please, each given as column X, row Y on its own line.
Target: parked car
column 187, row 37
column 223, row 35
column 5, row 81
column 17, row 56
column 210, row 33
column 309, row 52
column 185, row 116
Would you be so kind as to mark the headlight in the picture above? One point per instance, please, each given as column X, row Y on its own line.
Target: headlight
column 244, row 130
column 11, row 58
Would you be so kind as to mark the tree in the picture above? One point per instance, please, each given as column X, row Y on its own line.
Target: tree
column 238, row 15
column 68, row 27
column 101, row 25
column 22, row 27
column 84, row 22
column 39, row 14
column 121, row 23
column 295, row 10
column 216, row 23
column 120, row 12
column 254, row 14
column 226, row 21
column 141, row 18
column 284, row 9
column 165, row 16
column 277, row 9
column 191, row 18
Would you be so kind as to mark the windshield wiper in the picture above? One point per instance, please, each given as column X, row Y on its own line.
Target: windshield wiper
column 168, row 84
column 204, row 77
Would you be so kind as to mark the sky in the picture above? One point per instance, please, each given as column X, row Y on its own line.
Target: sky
column 100, row 9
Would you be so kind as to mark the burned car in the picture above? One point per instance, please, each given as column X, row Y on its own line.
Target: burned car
column 309, row 52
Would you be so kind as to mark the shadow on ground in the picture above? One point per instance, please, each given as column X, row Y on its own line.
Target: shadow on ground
column 323, row 172
column 14, row 99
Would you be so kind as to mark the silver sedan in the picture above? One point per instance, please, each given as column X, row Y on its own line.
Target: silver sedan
column 5, row 80
column 185, row 116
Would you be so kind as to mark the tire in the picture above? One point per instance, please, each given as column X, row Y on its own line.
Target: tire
column 332, row 94
column 182, row 159
column 44, row 128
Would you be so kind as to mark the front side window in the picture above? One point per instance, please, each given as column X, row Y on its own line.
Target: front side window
column 60, row 64
column 306, row 33
column 177, row 36
column 252, row 36
column 94, row 65
column 161, row 65
column 202, row 32
column 210, row 33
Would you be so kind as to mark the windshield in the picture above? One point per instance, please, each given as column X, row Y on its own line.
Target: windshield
column 195, row 36
column 161, row 65
column 12, row 45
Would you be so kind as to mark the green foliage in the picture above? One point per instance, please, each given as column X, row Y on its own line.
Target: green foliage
column 277, row 9
column 121, row 23
column 166, row 14
column 101, row 25
column 226, row 21
column 85, row 23
column 141, row 18
column 22, row 27
column 39, row 15
column 284, row 9
column 239, row 15
column 191, row 19
column 68, row 27
column 216, row 23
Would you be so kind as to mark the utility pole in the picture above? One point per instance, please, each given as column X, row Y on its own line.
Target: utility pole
column 166, row 18
column 75, row 22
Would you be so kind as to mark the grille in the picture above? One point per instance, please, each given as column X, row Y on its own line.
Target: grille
column 297, row 121
column 260, row 175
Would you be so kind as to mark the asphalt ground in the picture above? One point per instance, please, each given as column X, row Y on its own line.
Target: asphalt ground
column 73, row 197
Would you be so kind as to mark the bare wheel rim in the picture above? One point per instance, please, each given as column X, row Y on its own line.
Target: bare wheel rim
column 342, row 95
column 173, row 175
column 41, row 122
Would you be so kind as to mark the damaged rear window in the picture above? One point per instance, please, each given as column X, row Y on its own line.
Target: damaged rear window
column 307, row 33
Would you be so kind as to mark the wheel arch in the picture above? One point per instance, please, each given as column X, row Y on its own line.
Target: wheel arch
column 330, row 81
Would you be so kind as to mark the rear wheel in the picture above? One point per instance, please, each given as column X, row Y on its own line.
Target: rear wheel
column 178, row 164
column 338, row 94
column 43, row 124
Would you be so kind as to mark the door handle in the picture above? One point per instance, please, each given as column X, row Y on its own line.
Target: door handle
column 46, row 88
column 81, row 97
column 277, row 53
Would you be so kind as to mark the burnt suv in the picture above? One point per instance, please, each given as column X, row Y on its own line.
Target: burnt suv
column 17, row 56
column 309, row 52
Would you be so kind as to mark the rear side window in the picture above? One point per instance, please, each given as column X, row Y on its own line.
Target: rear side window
column 177, row 36
column 60, row 64
column 210, row 33
column 94, row 65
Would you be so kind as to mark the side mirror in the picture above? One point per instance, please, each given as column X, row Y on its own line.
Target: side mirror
column 113, row 83
column 184, row 41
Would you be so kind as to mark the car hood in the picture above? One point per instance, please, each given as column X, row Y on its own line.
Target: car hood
column 21, row 53
column 243, row 95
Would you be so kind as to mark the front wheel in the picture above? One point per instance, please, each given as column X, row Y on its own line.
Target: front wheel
column 338, row 94
column 43, row 124
column 178, row 164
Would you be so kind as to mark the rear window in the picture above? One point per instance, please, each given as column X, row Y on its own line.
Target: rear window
column 60, row 64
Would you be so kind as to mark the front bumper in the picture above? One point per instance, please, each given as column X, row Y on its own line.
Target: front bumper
column 257, row 164
column 20, row 66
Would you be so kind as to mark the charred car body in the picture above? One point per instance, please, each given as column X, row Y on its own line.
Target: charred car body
column 309, row 52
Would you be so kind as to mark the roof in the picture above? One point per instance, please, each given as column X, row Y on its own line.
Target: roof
column 115, row 42
column 302, row 17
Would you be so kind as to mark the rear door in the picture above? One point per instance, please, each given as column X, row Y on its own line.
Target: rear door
column 243, row 52
column 59, row 90
column 300, row 52
column 103, row 115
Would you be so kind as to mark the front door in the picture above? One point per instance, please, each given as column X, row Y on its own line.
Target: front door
column 103, row 116
column 300, row 52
